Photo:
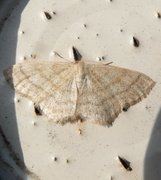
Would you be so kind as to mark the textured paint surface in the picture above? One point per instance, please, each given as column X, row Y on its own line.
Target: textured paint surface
column 102, row 31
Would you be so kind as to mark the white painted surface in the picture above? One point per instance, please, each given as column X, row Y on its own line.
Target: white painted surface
column 92, row 155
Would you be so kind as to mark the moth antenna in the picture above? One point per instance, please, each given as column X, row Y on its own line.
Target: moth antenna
column 61, row 57
column 108, row 63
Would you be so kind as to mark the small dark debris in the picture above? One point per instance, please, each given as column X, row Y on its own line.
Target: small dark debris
column 147, row 107
column 77, row 55
column 48, row 16
column 38, row 111
column 99, row 58
column 125, row 163
column 121, row 30
column 126, row 107
column 33, row 56
column 24, row 58
column 136, row 42
column 85, row 25
column 158, row 15
column 80, row 131
column 67, row 161
column 55, row 158
column 103, row 58
column 22, row 32
column 97, row 34
column 54, row 12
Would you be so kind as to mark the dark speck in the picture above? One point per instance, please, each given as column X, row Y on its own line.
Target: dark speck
column 158, row 15
column 136, row 42
column 38, row 111
column 125, row 163
column 18, row 100
column 126, row 107
column 55, row 158
column 48, row 16
column 103, row 58
column 76, row 53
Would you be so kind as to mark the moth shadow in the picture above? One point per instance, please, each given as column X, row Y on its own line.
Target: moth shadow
column 152, row 161
column 12, row 166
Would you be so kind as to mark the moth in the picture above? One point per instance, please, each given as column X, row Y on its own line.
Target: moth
column 80, row 90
